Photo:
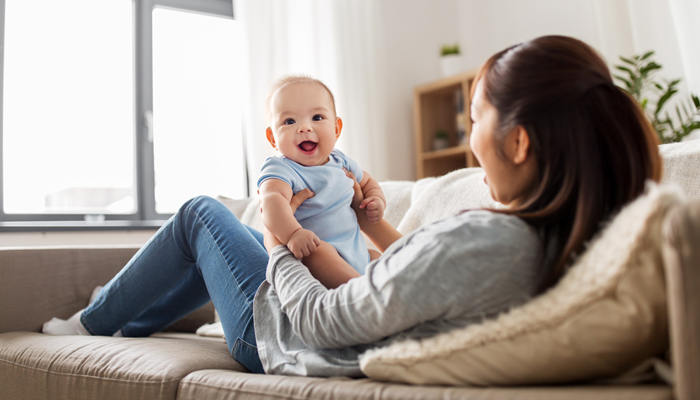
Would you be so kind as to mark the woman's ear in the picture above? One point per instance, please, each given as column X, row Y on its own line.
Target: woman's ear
column 338, row 126
column 521, row 145
column 270, row 137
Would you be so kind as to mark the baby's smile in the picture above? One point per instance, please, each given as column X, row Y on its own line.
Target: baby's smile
column 307, row 146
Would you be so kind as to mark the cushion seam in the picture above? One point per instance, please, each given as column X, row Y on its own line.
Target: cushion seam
column 88, row 376
column 237, row 390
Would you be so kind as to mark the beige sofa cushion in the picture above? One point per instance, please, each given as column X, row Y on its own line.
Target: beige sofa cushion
column 681, row 163
column 38, row 366
column 229, row 385
column 607, row 314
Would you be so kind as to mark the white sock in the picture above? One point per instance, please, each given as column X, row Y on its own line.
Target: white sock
column 94, row 294
column 70, row 326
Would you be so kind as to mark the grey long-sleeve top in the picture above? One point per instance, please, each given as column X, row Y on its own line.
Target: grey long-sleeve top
column 445, row 275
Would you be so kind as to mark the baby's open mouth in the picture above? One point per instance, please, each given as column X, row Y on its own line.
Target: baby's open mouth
column 307, row 146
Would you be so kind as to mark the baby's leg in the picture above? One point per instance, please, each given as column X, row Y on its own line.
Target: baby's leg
column 374, row 254
column 326, row 265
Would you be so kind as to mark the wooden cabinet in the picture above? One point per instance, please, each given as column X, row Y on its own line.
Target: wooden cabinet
column 441, row 109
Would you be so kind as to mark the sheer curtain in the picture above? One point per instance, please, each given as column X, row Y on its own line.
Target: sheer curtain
column 685, row 15
column 329, row 40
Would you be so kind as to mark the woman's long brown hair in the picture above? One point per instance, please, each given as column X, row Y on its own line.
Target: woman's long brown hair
column 593, row 145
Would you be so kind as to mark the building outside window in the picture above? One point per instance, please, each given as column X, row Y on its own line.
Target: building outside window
column 118, row 110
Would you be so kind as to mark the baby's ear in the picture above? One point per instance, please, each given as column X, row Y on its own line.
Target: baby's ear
column 270, row 137
column 338, row 127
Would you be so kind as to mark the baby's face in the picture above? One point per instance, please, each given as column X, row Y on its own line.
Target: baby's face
column 304, row 124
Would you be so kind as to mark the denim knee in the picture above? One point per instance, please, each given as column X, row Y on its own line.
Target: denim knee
column 196, row 205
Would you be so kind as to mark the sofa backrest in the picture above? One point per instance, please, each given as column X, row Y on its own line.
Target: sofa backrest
column 413, row 204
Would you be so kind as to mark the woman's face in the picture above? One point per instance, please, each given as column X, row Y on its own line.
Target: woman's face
column 510, row 168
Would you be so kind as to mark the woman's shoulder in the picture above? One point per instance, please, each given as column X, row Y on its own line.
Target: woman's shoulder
column 487, row 224
column 481, row 233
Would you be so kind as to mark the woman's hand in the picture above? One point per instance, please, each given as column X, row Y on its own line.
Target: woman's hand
column 381, row 233
column 358, row 202
column 301, row 196
column 358, row 196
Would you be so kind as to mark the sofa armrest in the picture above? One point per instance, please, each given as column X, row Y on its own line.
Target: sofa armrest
column 682, row 263
column 39, row 283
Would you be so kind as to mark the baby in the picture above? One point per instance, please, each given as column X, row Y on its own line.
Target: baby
column 304, row 128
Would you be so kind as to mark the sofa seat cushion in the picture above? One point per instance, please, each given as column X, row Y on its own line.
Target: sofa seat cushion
column 38, row 366
column 229, row 385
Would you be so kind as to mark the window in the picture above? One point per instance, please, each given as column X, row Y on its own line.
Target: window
column 118, row 109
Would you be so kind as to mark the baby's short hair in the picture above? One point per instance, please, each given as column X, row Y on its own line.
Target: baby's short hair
column 288, row 80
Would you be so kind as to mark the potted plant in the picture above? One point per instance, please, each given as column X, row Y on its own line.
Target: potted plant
column 451, row 61
column 639, row 80
column 441, row 140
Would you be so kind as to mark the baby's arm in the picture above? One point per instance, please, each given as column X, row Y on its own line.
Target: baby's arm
column 280, row 221
column 374, row 201
column 325, row 264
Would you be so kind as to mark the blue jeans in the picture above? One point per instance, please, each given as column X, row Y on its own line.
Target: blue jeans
column 203, row 252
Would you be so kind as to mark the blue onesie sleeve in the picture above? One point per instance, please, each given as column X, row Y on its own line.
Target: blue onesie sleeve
column 348, row 163
column 276, row 168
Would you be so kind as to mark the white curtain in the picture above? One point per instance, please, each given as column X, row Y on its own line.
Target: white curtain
column 328, row 39
column 686, row 14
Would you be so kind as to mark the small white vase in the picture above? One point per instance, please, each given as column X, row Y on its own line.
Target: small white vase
column 451, row 64
column 440, row 143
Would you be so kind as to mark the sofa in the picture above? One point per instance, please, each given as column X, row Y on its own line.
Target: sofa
column 39, row 283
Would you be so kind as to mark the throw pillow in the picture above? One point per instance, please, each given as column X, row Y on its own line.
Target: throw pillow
column 606, row 315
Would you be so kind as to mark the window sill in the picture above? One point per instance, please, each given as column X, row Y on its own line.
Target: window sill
column 54, row 226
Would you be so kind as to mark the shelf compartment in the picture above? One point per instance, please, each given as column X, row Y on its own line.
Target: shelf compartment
column 448, row 152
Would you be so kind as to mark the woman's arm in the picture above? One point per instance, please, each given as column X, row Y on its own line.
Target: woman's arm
column 455, row 272
column 381, row 233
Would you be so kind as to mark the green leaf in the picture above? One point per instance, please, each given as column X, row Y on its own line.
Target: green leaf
column 629, row 72
column 652, row 66
column 696, row 101
column 684, row 110
column 674, row 82
column 669, row 122
column 647, row 54
column 628, row 84
column 663, row 99
column 627, row 60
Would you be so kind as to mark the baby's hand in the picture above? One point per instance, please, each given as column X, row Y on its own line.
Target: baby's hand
column 374, row 208
column 303, row 242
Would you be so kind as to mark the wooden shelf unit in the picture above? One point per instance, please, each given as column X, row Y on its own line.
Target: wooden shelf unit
column 436, row 107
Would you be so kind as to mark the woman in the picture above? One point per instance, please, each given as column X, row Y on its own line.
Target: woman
column 561, row 147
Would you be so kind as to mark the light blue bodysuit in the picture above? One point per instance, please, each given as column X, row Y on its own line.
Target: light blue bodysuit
column 328, row 214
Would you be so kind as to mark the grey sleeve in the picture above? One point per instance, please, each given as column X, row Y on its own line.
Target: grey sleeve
column 428, row 275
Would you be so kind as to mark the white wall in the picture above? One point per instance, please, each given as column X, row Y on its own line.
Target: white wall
column 409, row 35
column 412, row 32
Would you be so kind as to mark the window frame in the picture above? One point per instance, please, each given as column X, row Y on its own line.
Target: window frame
column 145, row 215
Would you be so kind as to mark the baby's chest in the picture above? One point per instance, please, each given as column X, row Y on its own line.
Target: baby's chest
column 329, row 184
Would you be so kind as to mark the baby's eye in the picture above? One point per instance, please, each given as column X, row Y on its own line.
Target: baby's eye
column 318, row 117
column 288, row 121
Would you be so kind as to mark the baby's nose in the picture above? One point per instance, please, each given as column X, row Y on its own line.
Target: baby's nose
column 303, row 128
